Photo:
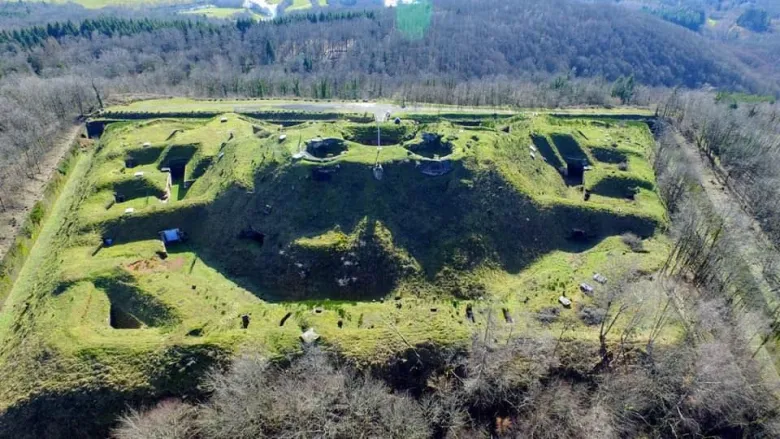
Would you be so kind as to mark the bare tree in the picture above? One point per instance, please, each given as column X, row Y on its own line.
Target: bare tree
column 311, row 398
column 169, row 419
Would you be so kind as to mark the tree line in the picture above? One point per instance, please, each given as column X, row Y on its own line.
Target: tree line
column 540, row 39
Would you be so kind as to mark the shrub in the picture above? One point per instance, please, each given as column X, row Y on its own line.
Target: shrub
column 310, row 398
column 168, row 420
column 548, row 315
column 633, row 242
column 37, row 213
column 590, row 315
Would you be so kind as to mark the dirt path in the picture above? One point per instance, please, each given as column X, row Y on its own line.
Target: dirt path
column 12, row 219
column 752, row 244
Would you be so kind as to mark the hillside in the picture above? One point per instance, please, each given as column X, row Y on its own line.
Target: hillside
column 288, row 223
column 354, row 52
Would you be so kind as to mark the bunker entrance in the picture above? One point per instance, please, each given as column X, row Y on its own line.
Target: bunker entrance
column 575, row 171
column 178, row 169
column 324, row 148
column 177, row 158
column 121, row 319
column 576, row 159
column 433, row 149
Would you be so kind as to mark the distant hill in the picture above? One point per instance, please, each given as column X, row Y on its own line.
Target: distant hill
column 449, row 40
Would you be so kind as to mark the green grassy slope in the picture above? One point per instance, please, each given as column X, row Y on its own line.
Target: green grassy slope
column 374, row 266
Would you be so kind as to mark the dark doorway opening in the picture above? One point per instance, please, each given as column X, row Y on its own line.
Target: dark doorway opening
column 325, row 148
column 121, row 319
column 575, row 171
column 178, row 168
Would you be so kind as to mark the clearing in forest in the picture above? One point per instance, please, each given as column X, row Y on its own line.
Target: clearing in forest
column 178, row 241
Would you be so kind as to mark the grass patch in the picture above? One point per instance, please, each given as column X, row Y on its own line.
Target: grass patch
column 299, row 5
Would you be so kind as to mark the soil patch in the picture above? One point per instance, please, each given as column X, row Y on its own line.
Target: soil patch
column 155, row 265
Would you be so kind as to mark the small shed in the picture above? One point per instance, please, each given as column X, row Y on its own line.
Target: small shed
column 171, row 236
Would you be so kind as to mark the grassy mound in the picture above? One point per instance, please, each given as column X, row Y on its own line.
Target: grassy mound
column 268, row 239
column 360, row 265
column 498, row 208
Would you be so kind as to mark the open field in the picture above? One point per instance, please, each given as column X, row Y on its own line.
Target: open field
column 472, row 223
column 94, row 4
column 224, row 13
column 299, row 5
column 166, row 105
column 209, row 10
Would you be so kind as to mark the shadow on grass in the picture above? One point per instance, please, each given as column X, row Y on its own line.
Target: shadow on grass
column 607, row 155
column 620, row 187
column 547, row 151
column 446, row 226
column 131, row 307
column 569, row 148
column 90, row 411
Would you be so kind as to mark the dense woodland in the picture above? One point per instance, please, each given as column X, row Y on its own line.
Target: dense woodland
column 528, row 40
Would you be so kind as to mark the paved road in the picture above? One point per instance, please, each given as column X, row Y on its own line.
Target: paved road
column 380, row 111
